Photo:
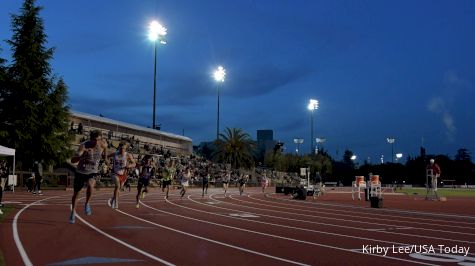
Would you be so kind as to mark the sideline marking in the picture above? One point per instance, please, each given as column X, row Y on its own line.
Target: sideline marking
column 16, row 236
column 93, row 260
column 243, row 215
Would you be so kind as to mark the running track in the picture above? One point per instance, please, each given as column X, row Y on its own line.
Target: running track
column 252, row 229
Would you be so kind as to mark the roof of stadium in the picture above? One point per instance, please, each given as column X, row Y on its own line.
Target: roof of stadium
column 127, row 125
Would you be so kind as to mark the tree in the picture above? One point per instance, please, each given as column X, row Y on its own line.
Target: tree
column 34, row 107
column 463, row 155
column 3, row 91
column 236, row 148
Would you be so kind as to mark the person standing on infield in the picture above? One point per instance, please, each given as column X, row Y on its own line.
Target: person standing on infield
column 122, row 162
column 435, row 173
column 87, row 157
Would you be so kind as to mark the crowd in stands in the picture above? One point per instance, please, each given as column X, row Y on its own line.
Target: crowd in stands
column 201, row 168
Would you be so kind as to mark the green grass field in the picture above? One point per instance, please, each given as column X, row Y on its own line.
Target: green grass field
column 443, row 192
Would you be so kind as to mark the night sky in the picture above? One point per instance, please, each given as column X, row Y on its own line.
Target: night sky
column 404, row 69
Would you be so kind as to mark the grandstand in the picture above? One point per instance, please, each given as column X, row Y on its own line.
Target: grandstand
column 145, row 140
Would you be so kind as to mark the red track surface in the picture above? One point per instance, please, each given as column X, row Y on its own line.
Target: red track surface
column 255, row 228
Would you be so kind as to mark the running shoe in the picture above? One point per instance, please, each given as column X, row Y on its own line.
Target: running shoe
column 110, row 202
column 87, row 209
column 143, row 195
column 72, row 218
column 1, row 212
column 115, row 205
column 137, row 206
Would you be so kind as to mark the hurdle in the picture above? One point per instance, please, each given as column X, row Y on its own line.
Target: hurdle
column 431, row 188
column 357, row 185
column 374, row 187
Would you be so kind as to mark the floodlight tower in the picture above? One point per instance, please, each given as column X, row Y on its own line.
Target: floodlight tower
column 219, row 76
column 312, row 106
column 391, row 141
column 156, row 33
column 298, row 141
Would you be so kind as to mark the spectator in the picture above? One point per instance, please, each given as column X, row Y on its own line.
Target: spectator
column 38, row 170
column 80, row 129
column 3, row 180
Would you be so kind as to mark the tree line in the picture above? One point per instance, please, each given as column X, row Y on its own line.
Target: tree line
column 33, row 110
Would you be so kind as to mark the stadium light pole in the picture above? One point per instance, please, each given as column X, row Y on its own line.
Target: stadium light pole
column 320, row 140
column 219, row 76
column 391, row 141
column 156, row 33
column 298, row 141
column 312, row 106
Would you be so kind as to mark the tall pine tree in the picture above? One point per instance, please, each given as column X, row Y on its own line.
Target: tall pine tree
column 35, row 111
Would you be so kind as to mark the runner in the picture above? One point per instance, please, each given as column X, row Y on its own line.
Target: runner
column 205, row 179
column 264, row 182
column 147, row 171
column 242, row 183
column 226, row 178
column 185, row 179
column 87, row 157
column 168, row 175
column 122, row 161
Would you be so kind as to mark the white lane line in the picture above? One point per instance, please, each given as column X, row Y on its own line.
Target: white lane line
column 16, row 236
column 124, row 243
column 204, row 238
column 381, row 230
column 358, row 216
column 270, row 235
column 366, row 211
column 287, row 226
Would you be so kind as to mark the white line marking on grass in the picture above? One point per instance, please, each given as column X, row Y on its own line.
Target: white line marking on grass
column 204, row 238
column 124, row 243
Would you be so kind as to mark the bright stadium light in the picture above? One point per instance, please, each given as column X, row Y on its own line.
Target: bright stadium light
column 312, row 106
column 219, row 76
column 155, row 31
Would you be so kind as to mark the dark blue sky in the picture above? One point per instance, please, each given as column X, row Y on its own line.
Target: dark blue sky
column 379, row 68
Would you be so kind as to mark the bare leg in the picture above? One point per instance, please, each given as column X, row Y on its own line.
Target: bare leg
column 115, row 196
column 90, row 185
column 74, row 200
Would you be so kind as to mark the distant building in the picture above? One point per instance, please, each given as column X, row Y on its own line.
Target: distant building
column 265, row 142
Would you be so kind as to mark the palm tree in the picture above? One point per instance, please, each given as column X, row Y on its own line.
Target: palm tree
column 235, row 147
